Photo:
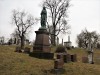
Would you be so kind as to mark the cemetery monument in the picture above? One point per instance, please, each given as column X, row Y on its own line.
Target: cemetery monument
column 42, row 35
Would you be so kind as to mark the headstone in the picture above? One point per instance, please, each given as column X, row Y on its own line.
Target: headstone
column 62, row 41
column 57, row 41
column 90, row 58
column 62, row 56
column 59, row 55
column 68, row 58
column 69, row 38
column 65, row 58
column 90, row 51
column 59, row 61
column 58, row 64
column 74, row 58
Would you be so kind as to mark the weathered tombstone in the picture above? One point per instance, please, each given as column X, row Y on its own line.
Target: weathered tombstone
column 59, row 55
column 58, row 67
column 90, row 57
column 62, row 56
column 90, row 51
column 62, row 41
column 58, row 64
column 85, row 59
column 73, row 57
column 65, row 58
column 68, row 58
column 57, row 41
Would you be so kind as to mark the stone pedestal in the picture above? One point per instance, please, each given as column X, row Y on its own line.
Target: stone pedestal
column 42, row 41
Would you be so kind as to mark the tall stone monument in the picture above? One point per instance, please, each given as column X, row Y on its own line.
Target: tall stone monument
column 42, row 35
column 90, row 51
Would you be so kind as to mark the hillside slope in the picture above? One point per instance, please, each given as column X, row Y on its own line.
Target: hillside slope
column 13, row 63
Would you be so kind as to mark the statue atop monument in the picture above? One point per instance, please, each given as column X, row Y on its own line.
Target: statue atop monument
column 43, row 17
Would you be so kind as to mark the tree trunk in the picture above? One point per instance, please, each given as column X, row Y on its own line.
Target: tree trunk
column 54, row 41
column 22, row 42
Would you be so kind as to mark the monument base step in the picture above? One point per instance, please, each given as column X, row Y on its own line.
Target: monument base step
column 42, row 55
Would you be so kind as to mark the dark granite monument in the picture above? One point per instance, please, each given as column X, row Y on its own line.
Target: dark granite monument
column 42, row 35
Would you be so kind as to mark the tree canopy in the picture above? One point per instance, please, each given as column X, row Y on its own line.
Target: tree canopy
column 57, row 15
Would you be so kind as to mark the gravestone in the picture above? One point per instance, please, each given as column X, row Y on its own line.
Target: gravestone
column 68, row 58
column 90, row 50
column 62, row 56
column 59, row 61
column 62, row 41
column 90, row 57
column 57, row 41
column 65, row 58
column 58, row 64
column 73, row 57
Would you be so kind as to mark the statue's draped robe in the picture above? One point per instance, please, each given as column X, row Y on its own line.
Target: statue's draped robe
column 43, row 17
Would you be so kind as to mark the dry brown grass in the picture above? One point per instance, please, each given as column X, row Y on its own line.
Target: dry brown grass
column 13, row 63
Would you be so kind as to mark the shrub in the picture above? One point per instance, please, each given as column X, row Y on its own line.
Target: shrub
column 60, row 49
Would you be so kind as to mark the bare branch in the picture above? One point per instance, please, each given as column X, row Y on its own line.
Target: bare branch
column 23, row 23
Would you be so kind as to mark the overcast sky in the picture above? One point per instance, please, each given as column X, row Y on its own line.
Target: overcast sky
column 82, row 14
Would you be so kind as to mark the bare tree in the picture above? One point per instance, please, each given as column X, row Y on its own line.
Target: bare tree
column 2, row 40
column 58, row 14
column 23, row 22
column 15, row 36
column 84, row 36
column 88, row 40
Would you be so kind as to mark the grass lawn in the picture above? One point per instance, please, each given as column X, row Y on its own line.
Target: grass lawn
column 13, row 63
